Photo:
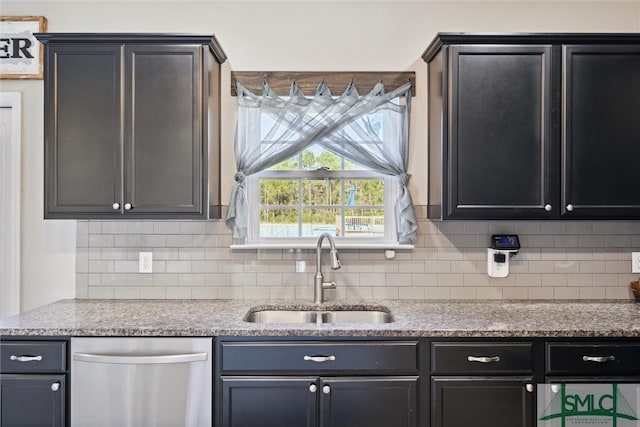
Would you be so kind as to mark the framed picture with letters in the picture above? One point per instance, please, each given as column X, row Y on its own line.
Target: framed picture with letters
column 20, row 52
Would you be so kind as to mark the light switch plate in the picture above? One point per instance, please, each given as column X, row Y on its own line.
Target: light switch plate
column 635, row 262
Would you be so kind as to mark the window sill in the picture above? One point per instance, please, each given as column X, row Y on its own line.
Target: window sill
column 280, row 246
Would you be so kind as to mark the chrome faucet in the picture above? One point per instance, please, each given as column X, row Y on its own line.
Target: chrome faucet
column 319, row 284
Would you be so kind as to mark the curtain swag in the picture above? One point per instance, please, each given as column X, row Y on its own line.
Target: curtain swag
column 339, row 124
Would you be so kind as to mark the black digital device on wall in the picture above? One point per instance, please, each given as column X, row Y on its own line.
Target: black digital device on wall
column 505, row 242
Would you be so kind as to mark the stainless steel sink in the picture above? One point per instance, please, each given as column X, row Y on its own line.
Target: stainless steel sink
column 319, row 316
column 356, row 316
column 282, row 316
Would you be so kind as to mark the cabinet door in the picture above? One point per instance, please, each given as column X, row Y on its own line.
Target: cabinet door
column 369, row 401
column 83, row 130
column 268, row 402
column 499, row 157
column 164, row 144
column 32, row 400
column 601, row 139
column 481, row 402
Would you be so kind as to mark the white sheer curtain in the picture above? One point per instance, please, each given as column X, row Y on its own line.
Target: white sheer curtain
column 341, row 124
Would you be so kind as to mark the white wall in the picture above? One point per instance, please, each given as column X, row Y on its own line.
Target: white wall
column 269, row 35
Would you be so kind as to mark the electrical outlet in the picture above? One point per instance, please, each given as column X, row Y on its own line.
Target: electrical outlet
column 145, row 262
column 635, row 262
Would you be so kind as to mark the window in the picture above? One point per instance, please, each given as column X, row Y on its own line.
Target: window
column 308, row 165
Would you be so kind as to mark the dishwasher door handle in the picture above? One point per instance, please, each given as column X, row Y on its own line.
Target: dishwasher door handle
column 140, row 360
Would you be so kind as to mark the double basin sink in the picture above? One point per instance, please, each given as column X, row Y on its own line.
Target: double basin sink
column 335, row 316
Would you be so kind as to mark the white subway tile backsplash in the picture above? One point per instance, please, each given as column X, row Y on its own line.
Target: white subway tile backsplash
column 411, row 293
column 489, row 293
column 98, row 292
column 192, row 259
column 126, row 293
column 543, row 292
column 153, row 240
column 386, row 292
column 207, row 292
column 619, row 241
column 101, row 240
column 605, row 227
column 191, row 280
column 180, row 267
column 566, row 293
column 153, row 293
column 178, row 241
column 178, row 293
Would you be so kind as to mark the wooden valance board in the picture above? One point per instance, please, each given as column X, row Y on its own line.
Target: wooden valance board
column 308, row 81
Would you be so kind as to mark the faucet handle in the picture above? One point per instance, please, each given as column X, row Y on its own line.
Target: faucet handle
column 328, row 285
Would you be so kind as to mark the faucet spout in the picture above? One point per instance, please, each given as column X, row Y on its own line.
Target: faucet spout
column 319, row 284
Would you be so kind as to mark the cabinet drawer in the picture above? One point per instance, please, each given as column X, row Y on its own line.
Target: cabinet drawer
column 593, row 358
column 481, row 358
column 33, row 356
column 319, row 357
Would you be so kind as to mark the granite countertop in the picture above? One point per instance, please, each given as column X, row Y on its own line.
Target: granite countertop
column 411, row 319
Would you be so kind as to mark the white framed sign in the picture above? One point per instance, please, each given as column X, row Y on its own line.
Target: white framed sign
column 20, row 52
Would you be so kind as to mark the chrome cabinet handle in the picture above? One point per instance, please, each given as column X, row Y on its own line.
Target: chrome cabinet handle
column 313, row 388
column 529, row 388
column 25, row 358
column 598, row 359
column 320, row 359
column 548, row 207
column 483, row 359
column 570, row 207
column 128, row 206
column 116, row 206
column 140, row 360
column 55, row 386
column 326, row 389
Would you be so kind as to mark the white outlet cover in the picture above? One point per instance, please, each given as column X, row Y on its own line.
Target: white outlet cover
column 145, row 262
column 635, row 262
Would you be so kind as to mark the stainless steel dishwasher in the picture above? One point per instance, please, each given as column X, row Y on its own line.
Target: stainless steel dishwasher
column 131, row 382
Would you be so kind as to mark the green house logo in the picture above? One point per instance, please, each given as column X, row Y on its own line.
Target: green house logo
column 587, row 405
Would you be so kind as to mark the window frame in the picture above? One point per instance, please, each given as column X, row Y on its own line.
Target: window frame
column 391, row 189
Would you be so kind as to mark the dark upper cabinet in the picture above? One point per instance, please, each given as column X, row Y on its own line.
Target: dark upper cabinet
column 601, row 134
column 131, row 125
column 533, row 126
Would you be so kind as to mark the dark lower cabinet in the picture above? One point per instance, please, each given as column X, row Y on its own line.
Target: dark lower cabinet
column 482, row 402
column 32, row 400
column 326, row 402
column 371, row 402
column 33, row 378
column 318, row 383
column 268, row 402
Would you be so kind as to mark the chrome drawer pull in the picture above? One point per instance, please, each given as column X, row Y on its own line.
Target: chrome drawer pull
column 55, row 386
column 320, row 359
column 26, row 358
column 483, row 359
column 598, row 359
